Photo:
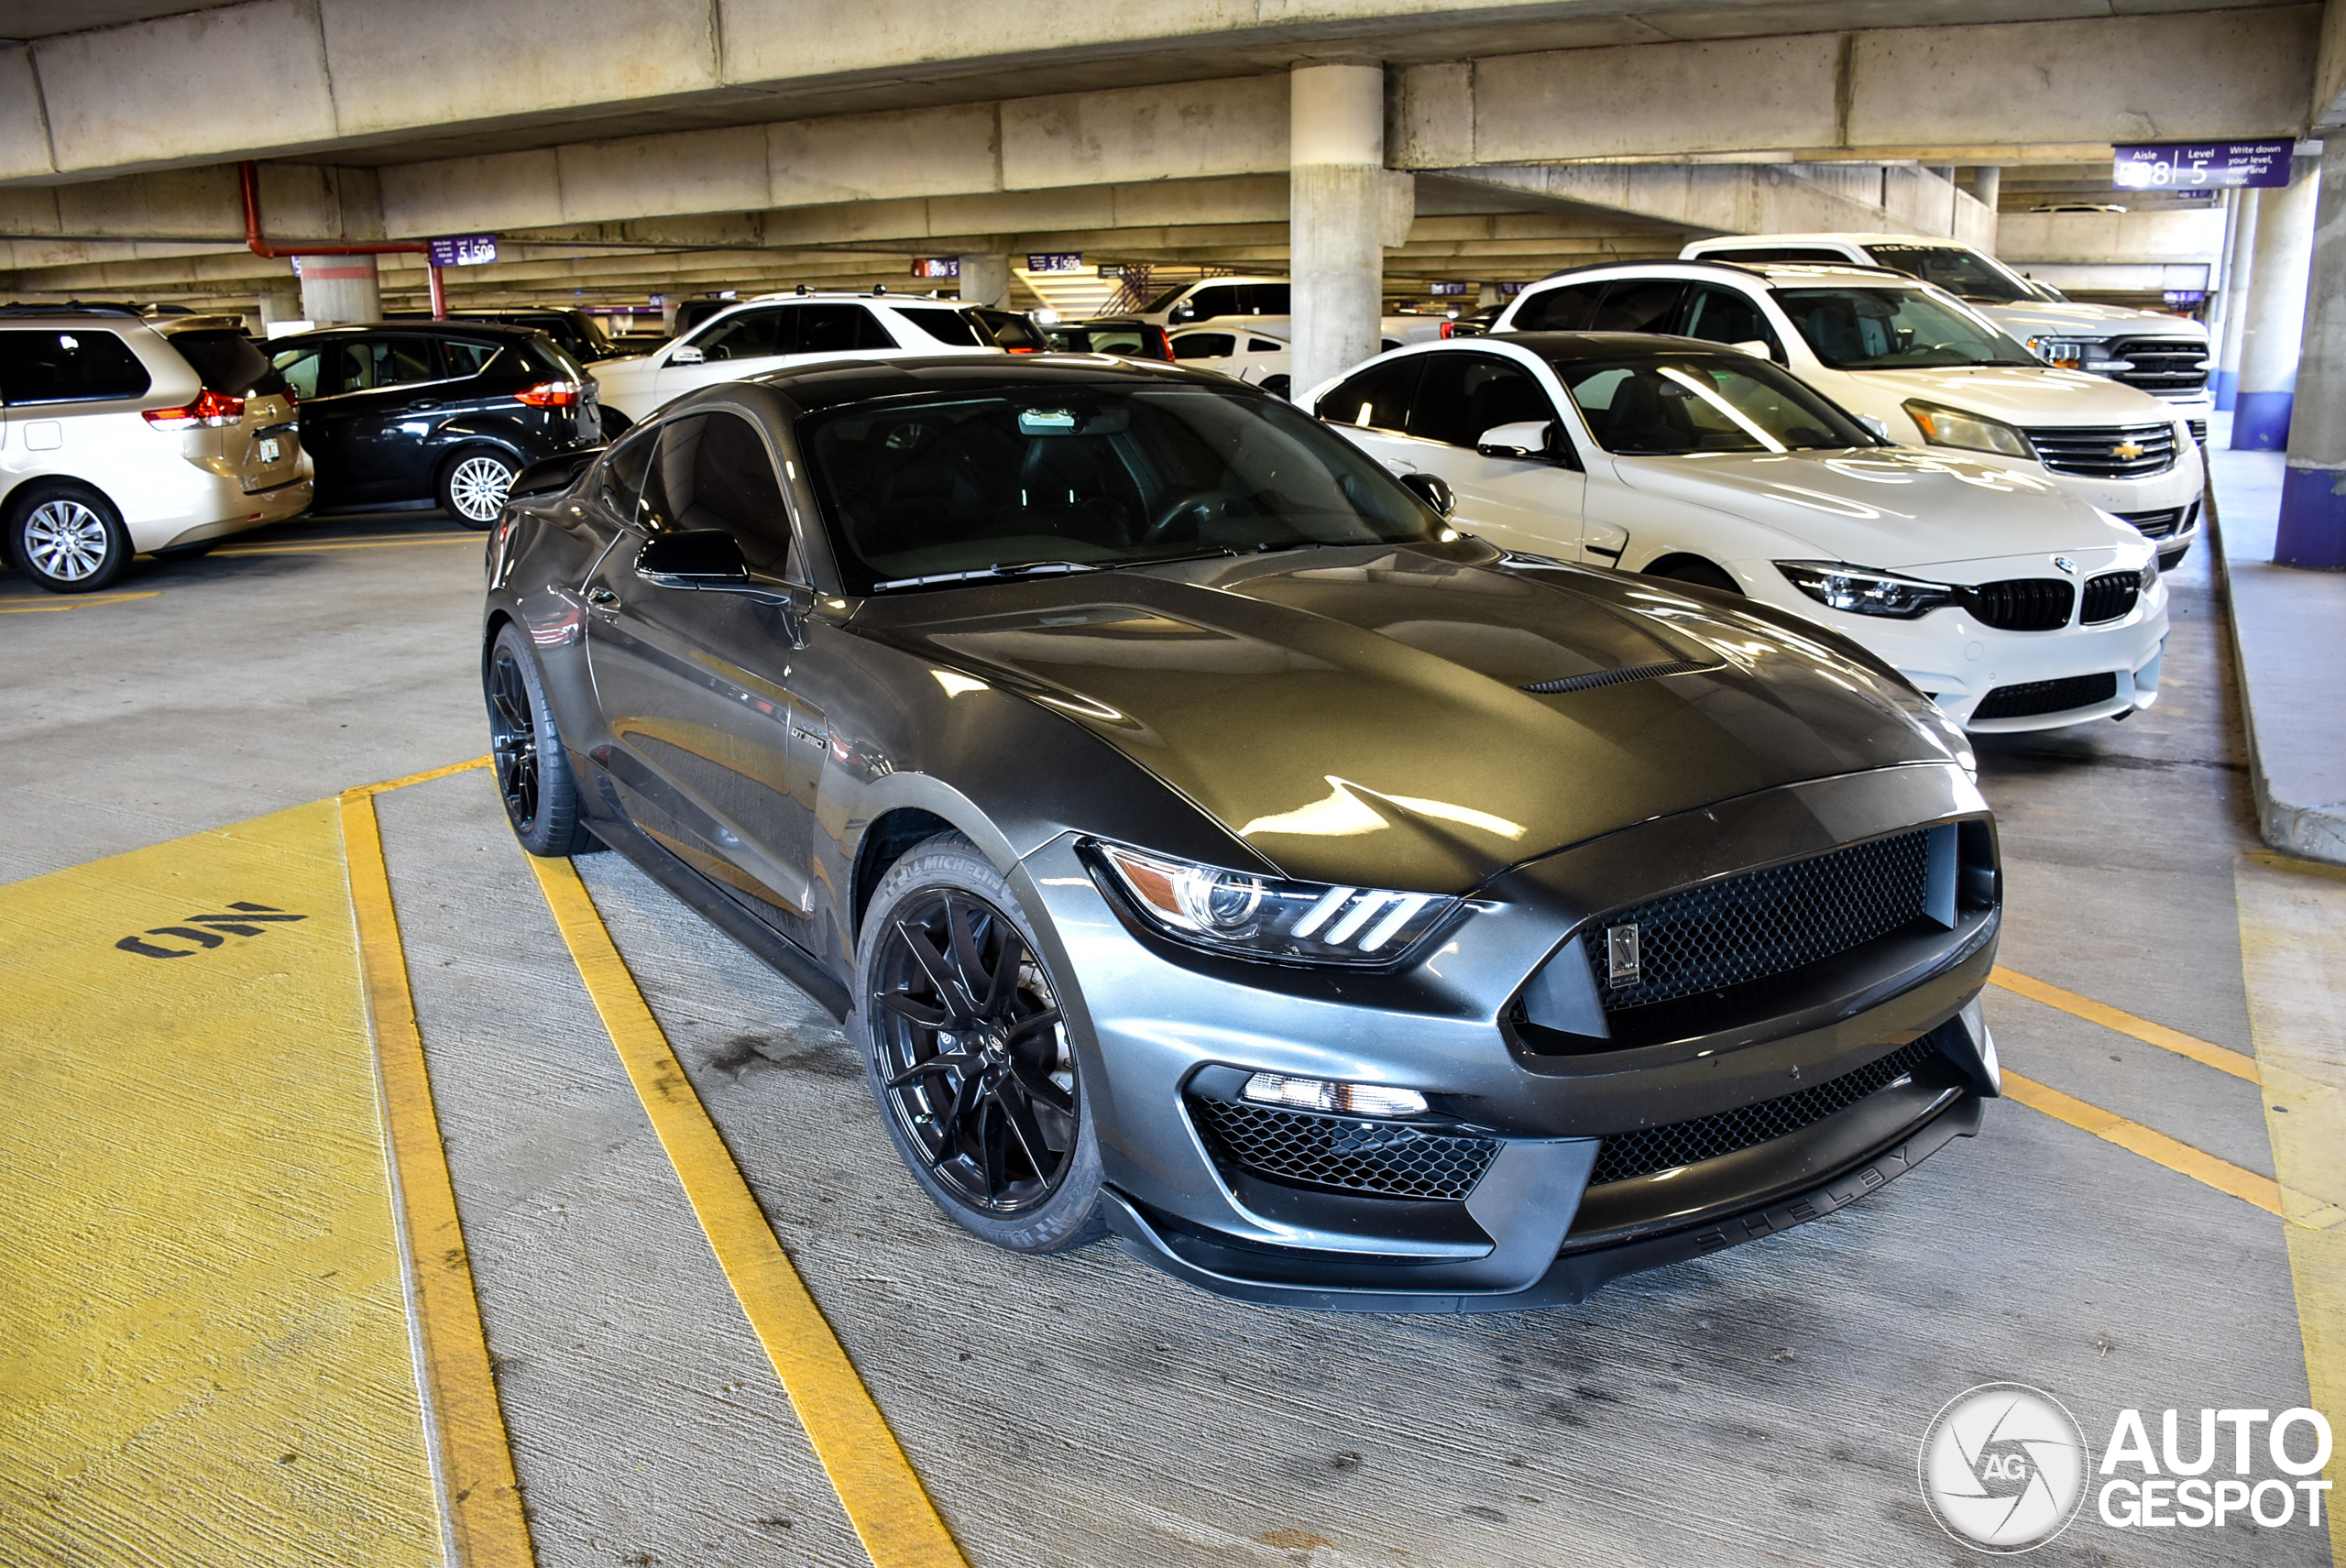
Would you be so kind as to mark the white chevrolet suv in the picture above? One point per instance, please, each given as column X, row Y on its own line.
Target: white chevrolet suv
column 121, row 436
column 774, row 330
column 1915, row 363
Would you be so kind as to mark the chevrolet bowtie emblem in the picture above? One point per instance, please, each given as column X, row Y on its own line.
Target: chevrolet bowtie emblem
column 2128, row 450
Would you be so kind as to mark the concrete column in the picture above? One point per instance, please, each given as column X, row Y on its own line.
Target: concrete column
column 2313, row 494
column 339, row 289
column 1487, row 294
column 668, row 306
column 2240, row 265
column 2276, row 311
column 1336, row 199
column 985, row 280
column 279, row 306
column 1987, row 184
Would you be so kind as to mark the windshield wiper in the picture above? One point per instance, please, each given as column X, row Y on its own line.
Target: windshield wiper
column 1009, row 569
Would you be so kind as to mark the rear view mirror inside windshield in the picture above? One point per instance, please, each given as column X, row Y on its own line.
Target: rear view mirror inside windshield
column 1074, row 421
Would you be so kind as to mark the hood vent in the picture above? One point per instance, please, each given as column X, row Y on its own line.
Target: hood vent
column 1615, row 677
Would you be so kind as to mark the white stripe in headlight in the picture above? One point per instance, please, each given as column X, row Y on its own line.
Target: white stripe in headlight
column 1317, row 915
column 1395, row 919
column 1355, row 917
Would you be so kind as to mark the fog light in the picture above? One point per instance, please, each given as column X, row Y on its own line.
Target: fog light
column 1344, row 1099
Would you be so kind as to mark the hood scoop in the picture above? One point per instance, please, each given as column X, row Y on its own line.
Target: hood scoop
column 1563, row 684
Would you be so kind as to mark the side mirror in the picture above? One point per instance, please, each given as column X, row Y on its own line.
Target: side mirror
column 687, row 355
column 693, row 558
column 1530, row 440
column 1755, row 346
column 1431, row 489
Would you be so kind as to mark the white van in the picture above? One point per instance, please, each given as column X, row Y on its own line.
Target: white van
column 1913, row 361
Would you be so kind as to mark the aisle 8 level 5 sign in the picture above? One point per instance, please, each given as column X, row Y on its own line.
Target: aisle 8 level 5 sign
column 2201, row 165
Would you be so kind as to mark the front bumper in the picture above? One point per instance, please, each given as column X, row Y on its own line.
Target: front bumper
column 1163, row 1029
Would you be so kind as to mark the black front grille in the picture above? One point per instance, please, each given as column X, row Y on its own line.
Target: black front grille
column 2030, row 698
column 2022, row 604
column 1390, row 1160
column 2107, row 452
column 1762, row 924
column 1641, row 1153
column 2162, row 364
column 2110, row 596
column 2157, row 524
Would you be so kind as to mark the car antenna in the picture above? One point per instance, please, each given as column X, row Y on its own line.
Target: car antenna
column 879, row 288
column 802, row 288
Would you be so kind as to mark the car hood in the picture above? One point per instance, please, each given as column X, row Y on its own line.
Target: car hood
column 2081, row 319
column 2032, row 395
column 1359, row 716
column 1893, row 506
column 609, row 369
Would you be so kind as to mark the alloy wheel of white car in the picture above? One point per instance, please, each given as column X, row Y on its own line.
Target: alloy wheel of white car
column 66, row 541
column 476, row 487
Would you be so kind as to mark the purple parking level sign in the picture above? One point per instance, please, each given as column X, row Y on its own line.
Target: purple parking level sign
column 463, row 250
column 2201, row 165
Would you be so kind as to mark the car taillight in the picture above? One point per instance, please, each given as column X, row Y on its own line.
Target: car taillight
column 211, row 409
column 1164, row 344
column 1446, row 326
column 550, row 395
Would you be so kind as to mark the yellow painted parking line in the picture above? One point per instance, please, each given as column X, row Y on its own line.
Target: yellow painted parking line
column 425, row 777
column 203, row 1347
column 2155, row 1146
column 479, row 1498
column 883, row 1499
column 2293, row 959
column 72, row 601
column 312, row 546
column 2238, row 1063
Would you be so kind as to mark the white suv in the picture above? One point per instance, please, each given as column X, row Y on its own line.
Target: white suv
column 1915, row 363
column 777, row 330
column 121, row 436
column 2165, row 356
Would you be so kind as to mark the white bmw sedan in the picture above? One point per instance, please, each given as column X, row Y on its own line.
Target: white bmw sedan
column 2012, row 603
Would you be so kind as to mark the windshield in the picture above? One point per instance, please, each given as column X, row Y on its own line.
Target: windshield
column 1894, row 329
column 1959, row 269
column 1704, row 403
column 1095, row 476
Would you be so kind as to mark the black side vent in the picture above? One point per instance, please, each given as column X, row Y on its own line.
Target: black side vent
column 1615, row 677
column 2030, row 698
column 2157, row 524
column 1387, row 1160
column 1641, row 1153
column 2022, row 604
column 2110, row 596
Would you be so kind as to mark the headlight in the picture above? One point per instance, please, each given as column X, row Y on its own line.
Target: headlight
column 1973, row 433
column 1260, row 917
column 2061, row 353
column 1860, row 591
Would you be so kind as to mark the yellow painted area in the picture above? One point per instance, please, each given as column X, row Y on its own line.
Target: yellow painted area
column 2151, row 1144
column 76, row 601
column 883, row 1499
column 2202, row 1051
column 424, row 777
column 203, row 1354
column 2293, row 957
column 480, row 1497
column 312, row 546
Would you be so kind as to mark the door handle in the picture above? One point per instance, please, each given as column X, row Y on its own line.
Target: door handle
column 602, row 599
column 426, row 405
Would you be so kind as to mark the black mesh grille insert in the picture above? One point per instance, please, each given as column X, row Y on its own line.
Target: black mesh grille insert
column 2022, row 604
column 2030, row 698
column 2110, row 596
column 2154, row 524
column 1641, row 1153
column 1766, row 922
column 1390, row 1160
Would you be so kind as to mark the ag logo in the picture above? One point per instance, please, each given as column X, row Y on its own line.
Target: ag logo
column 2003, row 1467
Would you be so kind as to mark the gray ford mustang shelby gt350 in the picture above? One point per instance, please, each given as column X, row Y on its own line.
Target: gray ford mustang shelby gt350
column 1204, row 841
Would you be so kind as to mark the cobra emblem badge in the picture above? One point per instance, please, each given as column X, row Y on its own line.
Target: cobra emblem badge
column 1621, row 966
column 2065, row 564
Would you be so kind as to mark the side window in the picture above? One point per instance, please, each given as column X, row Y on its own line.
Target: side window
column 715, row 473
column 1204, row 345
column 467, row 359
column 1638, row 304
column 370, row 362
column 624, row 473
column 1462, row 394
column 300, row 366
column 1264, row 345
column 840, row 329
column 1567, row 309
column 1265, row 299
column 1799, row 253
column 945, row 325
column 1725, row 315
column 751, row 335
column 84, row 364
column 1377, row 399
column 1221, row 299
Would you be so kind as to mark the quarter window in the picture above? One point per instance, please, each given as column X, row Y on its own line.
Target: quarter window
column 300, row 369
column 83, row 365
column 1264, row 345
column 467, row 359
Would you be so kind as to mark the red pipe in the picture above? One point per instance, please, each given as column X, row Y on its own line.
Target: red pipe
column 249, row 178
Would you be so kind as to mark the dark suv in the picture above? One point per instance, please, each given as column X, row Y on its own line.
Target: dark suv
column 445, row 411
column 581, row 335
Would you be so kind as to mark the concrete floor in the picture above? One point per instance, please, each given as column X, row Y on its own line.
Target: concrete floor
column 1759, row 1406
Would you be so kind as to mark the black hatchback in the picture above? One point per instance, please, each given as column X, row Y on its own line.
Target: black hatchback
column 434, row 412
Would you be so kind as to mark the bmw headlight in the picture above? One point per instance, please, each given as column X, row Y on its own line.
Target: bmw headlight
column 1862, row 591
column 1262, row 918
column 1974, row 433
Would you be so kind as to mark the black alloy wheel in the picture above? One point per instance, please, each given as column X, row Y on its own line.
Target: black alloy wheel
column 970, row 1038
column 532, row 775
